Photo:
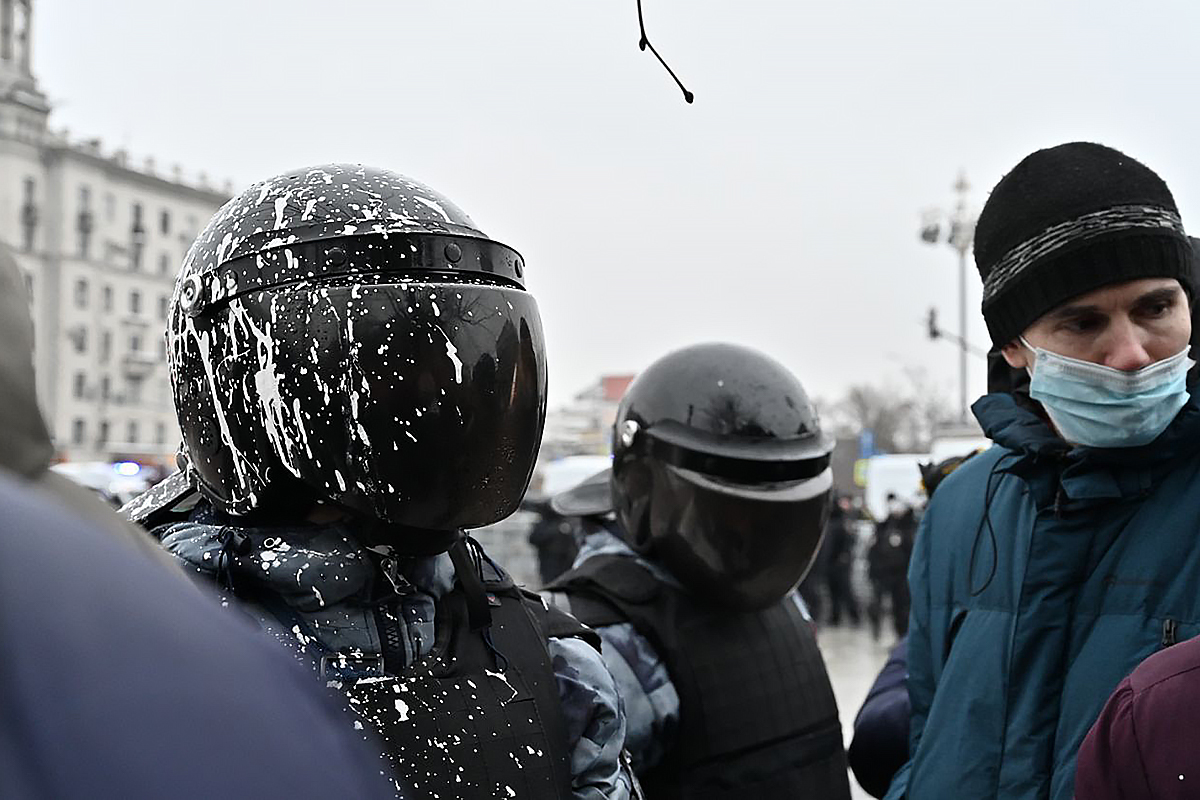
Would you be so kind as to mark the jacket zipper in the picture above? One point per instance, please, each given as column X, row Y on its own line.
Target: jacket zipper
column 391, row 630
column 1170, row 629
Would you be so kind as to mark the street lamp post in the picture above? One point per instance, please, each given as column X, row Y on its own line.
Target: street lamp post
column 960, row 233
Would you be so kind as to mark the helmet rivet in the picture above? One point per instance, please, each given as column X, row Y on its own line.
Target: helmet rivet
column 453, row 253
column 336, row 256
column 189, row 293
column 629, row 430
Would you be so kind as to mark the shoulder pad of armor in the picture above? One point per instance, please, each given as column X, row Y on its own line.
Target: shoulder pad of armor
column 171, row 496
column 556, row 623
column 618, row 576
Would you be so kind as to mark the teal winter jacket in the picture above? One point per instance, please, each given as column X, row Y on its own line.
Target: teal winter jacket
column 1042, row 575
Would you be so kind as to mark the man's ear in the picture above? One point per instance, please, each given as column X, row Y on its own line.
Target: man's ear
column 1017, row 356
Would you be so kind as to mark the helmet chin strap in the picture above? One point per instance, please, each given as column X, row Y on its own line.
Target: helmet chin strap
column 405, row 540
column 466, row 569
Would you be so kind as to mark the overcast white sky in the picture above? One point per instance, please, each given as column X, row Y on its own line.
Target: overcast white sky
column 780, row 210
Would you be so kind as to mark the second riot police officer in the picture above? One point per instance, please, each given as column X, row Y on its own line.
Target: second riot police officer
column 720, row 487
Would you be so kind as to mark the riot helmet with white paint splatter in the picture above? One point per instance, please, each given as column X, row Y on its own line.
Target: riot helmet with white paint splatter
column 350, row 333
column 721, row 472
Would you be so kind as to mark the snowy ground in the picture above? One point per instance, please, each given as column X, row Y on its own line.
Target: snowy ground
column 853, row 659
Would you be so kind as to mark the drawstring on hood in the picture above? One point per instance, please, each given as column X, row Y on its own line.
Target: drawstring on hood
column 233, row 543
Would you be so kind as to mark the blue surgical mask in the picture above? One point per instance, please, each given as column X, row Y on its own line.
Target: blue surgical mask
column 1099, row 406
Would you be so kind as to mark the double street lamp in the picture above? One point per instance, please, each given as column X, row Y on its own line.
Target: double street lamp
column 959, row 231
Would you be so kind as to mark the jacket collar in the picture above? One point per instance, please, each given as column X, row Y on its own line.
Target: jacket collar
column 1014, row 421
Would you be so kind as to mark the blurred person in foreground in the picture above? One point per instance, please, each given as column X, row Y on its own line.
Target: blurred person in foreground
column 1143, row 745
column 720, row 487
column 26, row 449
column 360, row 377
column 117, row 671
column 1048, row 566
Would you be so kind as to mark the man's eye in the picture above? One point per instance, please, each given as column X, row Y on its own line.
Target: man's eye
column 1083, row 325
column 1157, row 309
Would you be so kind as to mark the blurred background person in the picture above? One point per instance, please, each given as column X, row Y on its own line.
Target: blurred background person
column 841, row 541
column 556, row 539
column 887, row 566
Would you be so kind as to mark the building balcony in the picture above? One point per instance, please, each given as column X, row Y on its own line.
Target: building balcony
column 138, row 366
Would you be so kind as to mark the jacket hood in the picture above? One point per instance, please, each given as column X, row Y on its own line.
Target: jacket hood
column 25, row 446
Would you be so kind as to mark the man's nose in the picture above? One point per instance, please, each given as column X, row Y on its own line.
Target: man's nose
column 1127, row 351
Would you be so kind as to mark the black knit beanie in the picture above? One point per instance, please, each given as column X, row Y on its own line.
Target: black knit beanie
column 1068, row 220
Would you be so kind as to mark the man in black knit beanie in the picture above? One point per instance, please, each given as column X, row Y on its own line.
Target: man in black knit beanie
column 1047, row 567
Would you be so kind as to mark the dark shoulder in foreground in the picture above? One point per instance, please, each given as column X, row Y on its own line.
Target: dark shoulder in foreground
column 118, row 683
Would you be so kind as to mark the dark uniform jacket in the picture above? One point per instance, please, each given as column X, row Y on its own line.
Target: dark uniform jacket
column 478, row 688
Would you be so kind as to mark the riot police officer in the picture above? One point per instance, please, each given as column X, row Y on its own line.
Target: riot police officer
column 360, row 377
column 718, row 493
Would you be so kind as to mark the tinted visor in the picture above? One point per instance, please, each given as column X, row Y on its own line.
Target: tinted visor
column 738, row 546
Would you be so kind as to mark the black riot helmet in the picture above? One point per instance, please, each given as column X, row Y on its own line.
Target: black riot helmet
column 350, row 333
column 721, row 473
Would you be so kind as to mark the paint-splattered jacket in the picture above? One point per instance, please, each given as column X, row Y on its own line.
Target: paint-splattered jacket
column 306, row 584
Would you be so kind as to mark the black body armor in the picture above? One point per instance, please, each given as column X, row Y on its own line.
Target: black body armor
column 758, row 718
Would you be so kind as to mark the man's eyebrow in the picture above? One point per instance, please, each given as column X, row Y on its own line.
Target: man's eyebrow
column 1069, row 312
column 1162, row 295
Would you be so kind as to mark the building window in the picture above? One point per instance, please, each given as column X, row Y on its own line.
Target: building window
column 105, row 387
column 102, row 436
column 80, row 385
column 84, row 223
column 135, row 343
column 135, row 302
column 29, row 215
column 106, row 298
column 81, row 293
column 162, row 349
column 164, row 264
column 110, row 207
column 164, row 222
column 163, row 302
column 137, row 237
column 160, row 433
column 132, row 431
column 105, row 345
column 78, row 431
column 79, row 339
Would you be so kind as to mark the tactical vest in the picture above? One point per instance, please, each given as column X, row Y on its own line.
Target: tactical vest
column 757, row 717
column 478, row 717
